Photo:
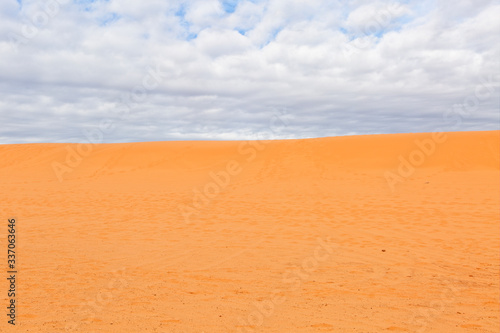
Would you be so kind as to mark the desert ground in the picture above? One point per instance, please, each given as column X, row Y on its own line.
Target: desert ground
column 372, row 233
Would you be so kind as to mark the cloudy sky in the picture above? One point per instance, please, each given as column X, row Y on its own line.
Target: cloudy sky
column 128, row 70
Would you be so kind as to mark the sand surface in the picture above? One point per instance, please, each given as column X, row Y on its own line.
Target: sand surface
column 382, row 233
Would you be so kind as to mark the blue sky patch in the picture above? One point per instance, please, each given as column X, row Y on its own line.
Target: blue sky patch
column 181, row 12
column 191, row 36
column 229, row 5
column 109, row 18
column 242, row 31
column 88, row 5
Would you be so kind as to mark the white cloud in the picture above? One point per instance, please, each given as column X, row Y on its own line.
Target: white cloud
column 216, row 43
column 375, row 17
column 337, row 68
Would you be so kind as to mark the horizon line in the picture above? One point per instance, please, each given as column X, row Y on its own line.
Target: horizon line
column 240, row 140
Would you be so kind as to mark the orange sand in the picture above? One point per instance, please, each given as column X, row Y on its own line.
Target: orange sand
column 318, row 235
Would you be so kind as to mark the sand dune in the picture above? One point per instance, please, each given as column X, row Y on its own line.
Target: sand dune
column 396, row 233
